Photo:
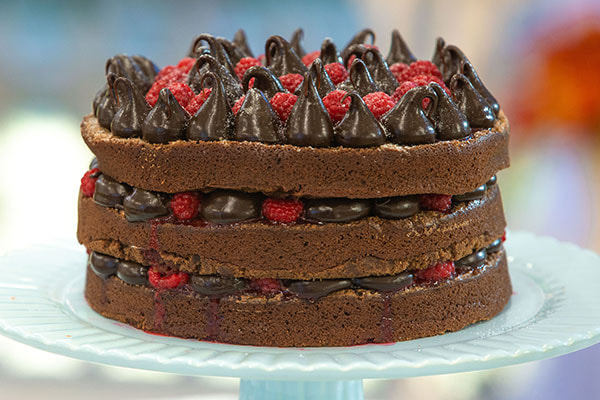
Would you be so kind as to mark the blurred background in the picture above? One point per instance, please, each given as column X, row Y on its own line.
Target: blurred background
column 540, row 58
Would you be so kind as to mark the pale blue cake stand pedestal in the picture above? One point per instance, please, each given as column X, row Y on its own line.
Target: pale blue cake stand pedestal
column 551, row 313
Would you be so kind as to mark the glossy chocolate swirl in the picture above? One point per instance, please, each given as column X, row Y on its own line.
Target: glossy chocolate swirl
column 234, row 53
column 216, row 50
column 282, row 58
column 385, row 284
column 217, row 286
column 167, row 121
column 314, row 290
column 469, row 71
column 110, row 193
column 336, row 210
column 397, row 207
column 473, row 105
column 406, row 121
column 132, row 273
column 399, row 51
column 138, row 69
column 359, row 79
column 132, row 109
column 264, row 80
column 104, row 103
column 329, row 53
column 324, row 84
column 450, row 123
column 206, row 63
column 241, row 42
column 226, row 207
column 296, row 42
column 214, row 120
column 378, row 68
column 359, row 128
column 142, row 205
column 256, row 121
column 309, row 123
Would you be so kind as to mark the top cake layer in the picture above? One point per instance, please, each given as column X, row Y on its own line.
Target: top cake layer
column 350, row 124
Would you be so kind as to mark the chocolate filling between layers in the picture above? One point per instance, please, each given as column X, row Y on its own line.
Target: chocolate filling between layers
column 370, row 246
column 448, row 167
column 344, row 318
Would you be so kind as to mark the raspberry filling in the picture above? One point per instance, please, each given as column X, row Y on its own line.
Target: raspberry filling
column 221, row 207
column 215, row 286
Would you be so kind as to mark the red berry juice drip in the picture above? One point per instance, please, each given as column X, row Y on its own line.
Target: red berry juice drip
column 212, row 320
column 159, row 311
column 152, row 256
column 386, row 318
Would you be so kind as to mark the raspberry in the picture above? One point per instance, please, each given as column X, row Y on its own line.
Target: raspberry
column 420, row 80
column 262, row 58
column 186, row 64
column 336, row 72
column 421, row 67
column 397, row 69
column 244, row 64
column 185, row 205
column 435, row 202
column 436, row 272
column 504, row 237
column 282, row 210
column 182, row 92
column 424, row 80
column 88, row 182
column 169, row 281
column 402, row 90
column 310, row 57
column 195, row 103
column 333, row 103
column 176, row 75
column 282, row 103
column 379, row 103
column 291, row 81
column 238, row 104
column 268, row 286
column 164, row 72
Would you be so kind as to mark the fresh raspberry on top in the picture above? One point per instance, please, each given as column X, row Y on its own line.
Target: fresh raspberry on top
column 170, row 73
column 291, row 81
column 88, row 182
column 402, row 90
column 195, row 103
column 282, row 103
column 379, row 103
column 435, row 202
column 424, row 80
column 186, row 64
column 267, row 286
column 336, row 72
column 420, row 80
column 164, row 72
column 244, row 64
column 436, row 272
column 310, row 57
column 282, row 210
column 177, row 76
column 333, row 103
column 238, row 104
column 182, row 92
column 185, row 206
column 262, row 59
column 169, row 281
column 421, row 67
column 397, row 69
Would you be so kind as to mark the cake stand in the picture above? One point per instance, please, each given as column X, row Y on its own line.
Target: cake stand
column 554, row 310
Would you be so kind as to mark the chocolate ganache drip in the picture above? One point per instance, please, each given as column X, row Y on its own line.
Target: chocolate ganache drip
column 359, row 38
column 256, row 121
column 104, row 103
column 206, row 63
column 167, row 121
column 336, row 210
column 214, row 120
column 142, row 205
column 399, row 51
column 378, row 68
column 226, row 207
column 406, row 121
column 359, row 79
column 385, row 283
column 473, row 105
column 359, row 128
column 296, row 42
column 397, row 207
column 314, row 290
column 282, row 58
column 241, row 42
column 309, row 123
column 450, row 123
column 329, row 53
column 264, row 80
column 216, row 50
column 217, row 286
column 324, row 84
column 110, row 193
column 131, row 112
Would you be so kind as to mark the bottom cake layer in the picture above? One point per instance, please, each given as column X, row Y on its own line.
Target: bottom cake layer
column 344, row 318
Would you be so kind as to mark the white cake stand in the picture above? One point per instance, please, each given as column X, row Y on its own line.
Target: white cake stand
column 555, row 310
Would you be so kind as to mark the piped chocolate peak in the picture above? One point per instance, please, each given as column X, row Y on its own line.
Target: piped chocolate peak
column 473, row 105
column 241, row 42
column 359, row 38
column 215, row 49
column 167, row 121
column 359, row 128
column 309, row 123
column 214, row 120
column 282, row 58
column 450, row 123
column 324, row 84
column 131, row 112
column 296, row 42
column 256, row 121
column 359, row 79
column 399, row 51
column 206, row 63
column 264, row 80
column 140, row 70
column 407, row 122
column 104, row 103
column 378, row 68
column 329, row 53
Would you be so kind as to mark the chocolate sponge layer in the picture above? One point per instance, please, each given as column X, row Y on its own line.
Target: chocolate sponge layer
column 446, row 167
column 371, row 246
column 344, row 318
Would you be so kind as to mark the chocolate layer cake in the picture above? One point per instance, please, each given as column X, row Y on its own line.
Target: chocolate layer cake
column 328, row 198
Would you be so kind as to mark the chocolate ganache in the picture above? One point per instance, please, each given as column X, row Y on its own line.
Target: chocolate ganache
column 214, row 119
